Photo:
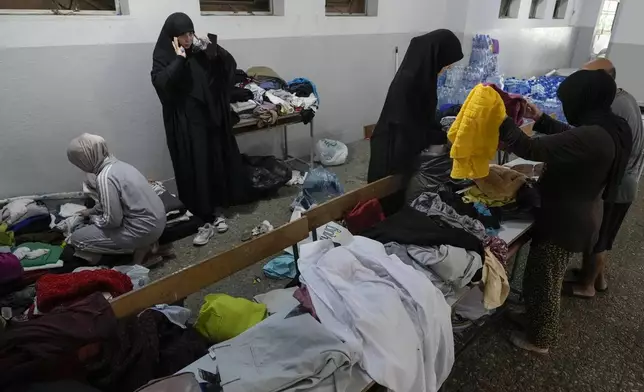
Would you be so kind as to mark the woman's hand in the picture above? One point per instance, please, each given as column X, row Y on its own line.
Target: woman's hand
column 85, row 213
column 178, row 49
column 533, row 112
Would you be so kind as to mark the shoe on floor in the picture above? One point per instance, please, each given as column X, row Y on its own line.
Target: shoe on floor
column 262, row 228
column 520, row 340
column 205, row 233
column 220, row 224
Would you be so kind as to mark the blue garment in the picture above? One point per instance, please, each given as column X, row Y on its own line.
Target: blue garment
column 270, row 85
column 319, row 186
column 304, row 80
column 485, row 211
column 281, row 267
column 24, row 223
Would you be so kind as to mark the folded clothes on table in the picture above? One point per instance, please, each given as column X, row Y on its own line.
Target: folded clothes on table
column 474, row 195
column 37, row 255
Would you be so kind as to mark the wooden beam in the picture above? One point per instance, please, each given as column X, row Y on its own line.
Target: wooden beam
column 196, row 277
column 336, row 208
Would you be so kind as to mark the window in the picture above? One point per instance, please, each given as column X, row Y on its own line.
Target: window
column 538, row 9
column 60, row 6
column 604, row 27
column 509, row 9
column 346, row 7
column 561, row 6
column 237, row 6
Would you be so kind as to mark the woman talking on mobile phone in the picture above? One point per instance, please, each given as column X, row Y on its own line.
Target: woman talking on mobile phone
column 193, row 77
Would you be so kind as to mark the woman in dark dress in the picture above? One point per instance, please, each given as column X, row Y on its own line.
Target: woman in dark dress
column 193, row 78
column 407, row 124
column 583, row 165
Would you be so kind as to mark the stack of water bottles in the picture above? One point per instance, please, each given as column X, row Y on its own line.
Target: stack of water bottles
column 542, row 91
column 455, row 84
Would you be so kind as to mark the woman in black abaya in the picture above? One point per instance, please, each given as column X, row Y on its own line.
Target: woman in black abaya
column 407, row 124
column 193, row 78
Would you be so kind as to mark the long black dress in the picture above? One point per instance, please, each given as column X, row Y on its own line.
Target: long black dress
column 195, row 94
column 407, row 123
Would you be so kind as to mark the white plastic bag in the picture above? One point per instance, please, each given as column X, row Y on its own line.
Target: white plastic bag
column 139, row 275
column 331, row 152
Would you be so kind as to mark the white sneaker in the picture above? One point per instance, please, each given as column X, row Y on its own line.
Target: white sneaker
column 220, row 224
column 206, row 232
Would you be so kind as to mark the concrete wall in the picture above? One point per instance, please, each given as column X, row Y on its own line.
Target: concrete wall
column 64, row 75
column 585, row 21
column 626, row 50
column 528, row 46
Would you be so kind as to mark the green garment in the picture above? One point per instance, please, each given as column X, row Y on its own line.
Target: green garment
column 50, row 258
column 6, row 237
column 223, row 317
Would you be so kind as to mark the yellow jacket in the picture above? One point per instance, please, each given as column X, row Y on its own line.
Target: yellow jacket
column 475, row 133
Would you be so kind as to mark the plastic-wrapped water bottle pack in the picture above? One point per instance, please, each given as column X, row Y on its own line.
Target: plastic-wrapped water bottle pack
column 542, row 91
column 455, row 84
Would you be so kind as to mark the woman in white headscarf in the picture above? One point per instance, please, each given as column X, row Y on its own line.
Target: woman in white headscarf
column 129, row 216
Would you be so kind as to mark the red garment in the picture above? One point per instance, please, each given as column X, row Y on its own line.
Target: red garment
column 364, row 216
column 53, row 290
column 303, row 296
column 515, row 105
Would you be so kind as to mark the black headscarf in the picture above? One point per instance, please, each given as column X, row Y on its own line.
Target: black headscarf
column 417, row 78
column 587, row 97
column 407, row 124
column 177, row 24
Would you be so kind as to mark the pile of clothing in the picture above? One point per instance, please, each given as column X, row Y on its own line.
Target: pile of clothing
column 394, row 322
column 83, row 337
column 262, row 94
column 22, row 216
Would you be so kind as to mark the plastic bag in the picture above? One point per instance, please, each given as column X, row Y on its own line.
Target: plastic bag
column 433, row 168
column 319, row 186
column 268, row 174
column 331, row 152
column 139, row 275
column 223, row 317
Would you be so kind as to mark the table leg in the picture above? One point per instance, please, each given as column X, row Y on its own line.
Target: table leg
column 285, row 143
column 312, row 133
column 513, row 273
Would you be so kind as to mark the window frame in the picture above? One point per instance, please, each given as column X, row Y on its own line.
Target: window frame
column 270, row 12
column 511, row 4
column 538, row 9
column 118, row 8
column 348, row 5
column 556, row 12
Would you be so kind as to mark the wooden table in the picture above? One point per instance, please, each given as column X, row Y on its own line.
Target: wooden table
column 250, row 125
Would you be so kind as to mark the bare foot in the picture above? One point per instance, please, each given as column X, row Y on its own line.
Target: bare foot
column 519, row 340
column 601, row 284
column 583, row 291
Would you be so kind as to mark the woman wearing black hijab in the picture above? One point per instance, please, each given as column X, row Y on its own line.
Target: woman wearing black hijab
column 193, row 79
column 583, row 165
column 407, row 124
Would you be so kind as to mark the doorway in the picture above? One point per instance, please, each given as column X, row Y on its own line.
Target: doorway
column 604, row 28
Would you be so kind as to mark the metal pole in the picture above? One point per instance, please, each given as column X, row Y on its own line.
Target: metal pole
column 285, row 146
column 312, row 133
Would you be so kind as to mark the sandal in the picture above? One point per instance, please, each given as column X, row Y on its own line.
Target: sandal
column 220, row 225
